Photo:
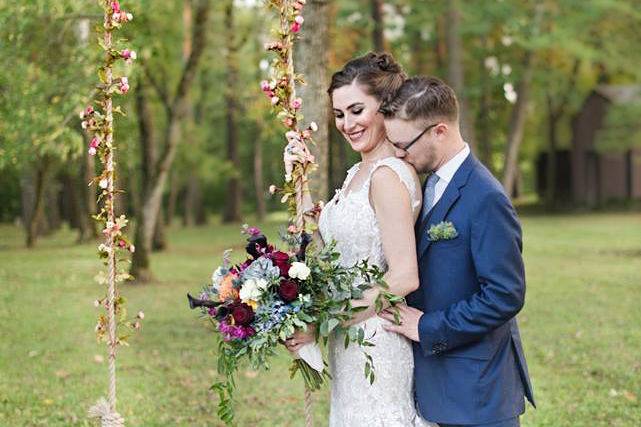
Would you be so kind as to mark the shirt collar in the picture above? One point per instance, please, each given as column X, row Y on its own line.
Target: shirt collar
column 447, row 171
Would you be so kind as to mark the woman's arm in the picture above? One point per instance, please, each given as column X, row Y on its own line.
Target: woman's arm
column 390, row 199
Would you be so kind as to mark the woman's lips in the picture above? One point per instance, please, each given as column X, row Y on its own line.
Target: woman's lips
column 355, row 136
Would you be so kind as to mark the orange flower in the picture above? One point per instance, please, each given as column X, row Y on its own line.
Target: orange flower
column 226, row 290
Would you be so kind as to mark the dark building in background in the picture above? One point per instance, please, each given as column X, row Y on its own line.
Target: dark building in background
column 585, row 176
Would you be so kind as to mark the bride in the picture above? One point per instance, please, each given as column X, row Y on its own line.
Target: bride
column 371, row 217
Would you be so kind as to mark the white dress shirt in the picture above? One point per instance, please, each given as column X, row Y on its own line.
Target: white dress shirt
column 446, row 173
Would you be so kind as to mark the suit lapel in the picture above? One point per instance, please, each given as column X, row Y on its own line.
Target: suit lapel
column 444, row 205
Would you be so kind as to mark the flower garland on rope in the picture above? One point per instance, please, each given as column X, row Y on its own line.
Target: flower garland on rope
column 281, row 91
column 298, row 160
column 113, row 327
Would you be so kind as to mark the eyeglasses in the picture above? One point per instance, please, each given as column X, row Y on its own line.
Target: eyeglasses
column 407, row 146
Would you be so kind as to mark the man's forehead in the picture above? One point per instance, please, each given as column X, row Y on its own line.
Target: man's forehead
column 395, row 124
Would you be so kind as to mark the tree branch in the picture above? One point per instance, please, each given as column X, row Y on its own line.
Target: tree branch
column 158, row 88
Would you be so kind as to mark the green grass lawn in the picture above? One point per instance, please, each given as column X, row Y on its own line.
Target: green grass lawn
column 580, row 327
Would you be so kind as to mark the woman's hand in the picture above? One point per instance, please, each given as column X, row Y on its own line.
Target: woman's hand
column 300, row 338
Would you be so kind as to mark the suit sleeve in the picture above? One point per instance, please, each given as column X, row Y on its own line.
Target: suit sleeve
column 496, row 246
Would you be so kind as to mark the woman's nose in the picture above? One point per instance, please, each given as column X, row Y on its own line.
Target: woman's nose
column 348, row 124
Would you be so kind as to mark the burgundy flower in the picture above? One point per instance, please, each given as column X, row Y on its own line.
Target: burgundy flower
column 281, row 260
column 288, row 290
column 242, row 314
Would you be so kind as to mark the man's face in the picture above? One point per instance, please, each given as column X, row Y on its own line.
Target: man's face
column 415, row 143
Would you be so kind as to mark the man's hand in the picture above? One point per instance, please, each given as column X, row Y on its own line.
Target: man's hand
column 300, row 338
column 409, row 318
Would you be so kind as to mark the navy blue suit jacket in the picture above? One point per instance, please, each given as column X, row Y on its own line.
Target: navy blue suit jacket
column 469, row 363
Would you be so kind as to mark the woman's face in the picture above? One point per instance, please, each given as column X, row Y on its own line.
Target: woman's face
column 357, row 118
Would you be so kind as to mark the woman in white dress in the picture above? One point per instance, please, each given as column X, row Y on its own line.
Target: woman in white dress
column 372, row 217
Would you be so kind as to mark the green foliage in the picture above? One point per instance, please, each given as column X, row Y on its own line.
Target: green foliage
column 45, row 78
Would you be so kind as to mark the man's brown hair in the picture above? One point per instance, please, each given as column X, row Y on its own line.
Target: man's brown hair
column 422, row 98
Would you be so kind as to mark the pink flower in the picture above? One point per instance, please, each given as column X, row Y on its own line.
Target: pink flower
column 299, row 20
column 264, row 86
column 115, row 6
column 124, row 85
column 92, row 151
column 298, row 5
column 128, row 55
column 295, row 28
column 272, row 189
column 122, row 243
column 132, row 248
column 254, row 231
column 288, row 122
column 296, row 103
column 125, row 16
column 103, row 183
column 292, row 229
column 95, row 142
column 306, row 134
column 275, row 100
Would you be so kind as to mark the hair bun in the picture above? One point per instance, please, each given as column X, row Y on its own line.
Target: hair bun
column 385, row 62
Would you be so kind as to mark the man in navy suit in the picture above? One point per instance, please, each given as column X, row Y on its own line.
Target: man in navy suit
column 469, row 366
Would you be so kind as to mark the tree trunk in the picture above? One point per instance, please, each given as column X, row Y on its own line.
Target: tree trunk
column 440, row 46
column 53, row 219
column 36, row 215
column 189, row 203
column 259, row 182
column 555, row 114
column 312, row 62
column 174, row 189
column 517, row 125
column 456, row 72
column 159, row 243
column 234, row 191
column 484, row 141
column 550, row 184
column 175, row 111
column 378, row 35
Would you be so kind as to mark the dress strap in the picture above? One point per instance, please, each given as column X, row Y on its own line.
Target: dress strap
column 404, row 174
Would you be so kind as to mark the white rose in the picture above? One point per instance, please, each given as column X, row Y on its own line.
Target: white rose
column 299, row 270
column 252, row 289
column 217, row 277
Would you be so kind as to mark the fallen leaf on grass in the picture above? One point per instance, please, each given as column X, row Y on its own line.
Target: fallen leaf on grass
column 630, row 396
column 61, row 373
column 251, row 374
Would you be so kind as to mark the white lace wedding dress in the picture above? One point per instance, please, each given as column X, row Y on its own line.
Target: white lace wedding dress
column 389, row 402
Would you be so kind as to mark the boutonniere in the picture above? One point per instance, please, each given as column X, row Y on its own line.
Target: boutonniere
column 444, row 230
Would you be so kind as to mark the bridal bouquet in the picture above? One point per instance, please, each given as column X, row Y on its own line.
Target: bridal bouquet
column 257, row 304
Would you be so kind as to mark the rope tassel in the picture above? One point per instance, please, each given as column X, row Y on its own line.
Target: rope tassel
column 107, row 417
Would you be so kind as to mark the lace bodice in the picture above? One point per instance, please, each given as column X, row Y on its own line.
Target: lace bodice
column 348, row 218
column 389, row 402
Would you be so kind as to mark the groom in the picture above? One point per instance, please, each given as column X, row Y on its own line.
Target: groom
column 469, row 366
